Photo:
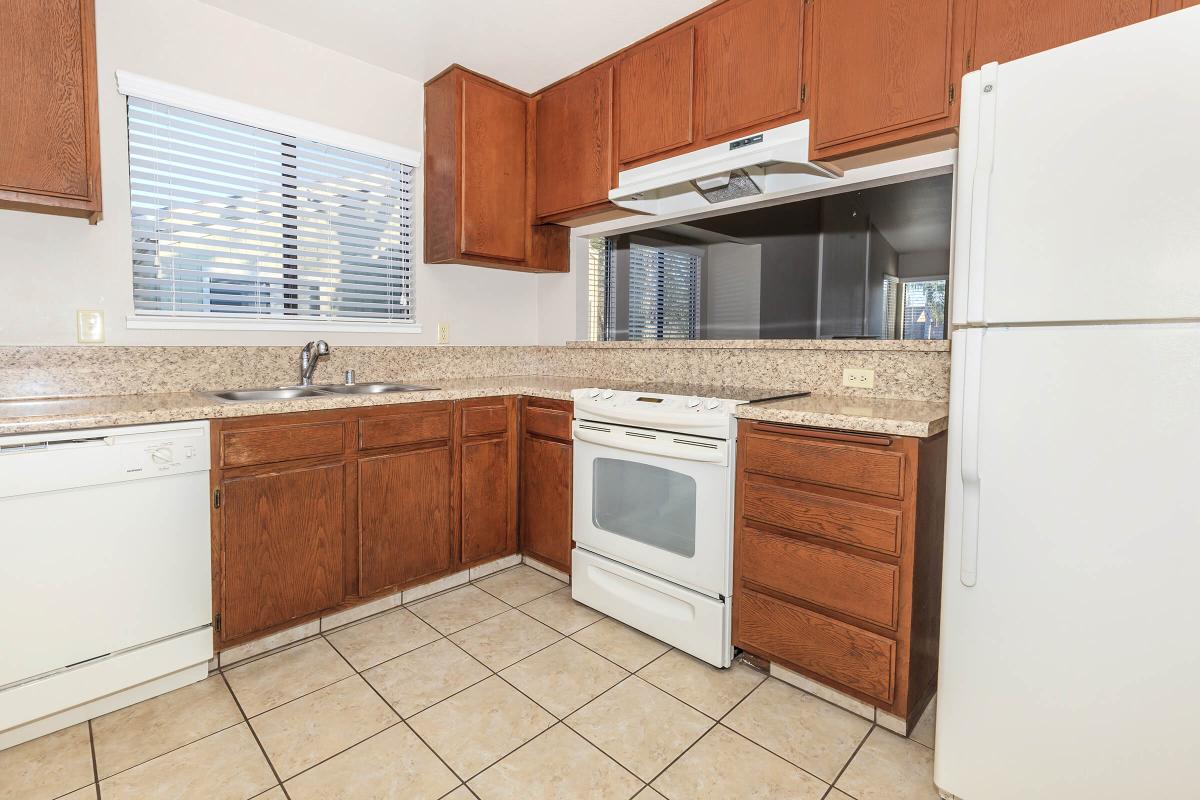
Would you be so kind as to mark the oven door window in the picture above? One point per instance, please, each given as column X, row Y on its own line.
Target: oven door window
column 648, row 504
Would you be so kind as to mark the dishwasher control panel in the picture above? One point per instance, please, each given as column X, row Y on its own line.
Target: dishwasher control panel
column 68, row 459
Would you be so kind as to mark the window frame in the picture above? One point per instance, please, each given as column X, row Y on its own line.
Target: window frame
column 151, row 89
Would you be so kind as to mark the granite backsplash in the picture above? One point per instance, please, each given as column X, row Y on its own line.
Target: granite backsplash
column 911, row 370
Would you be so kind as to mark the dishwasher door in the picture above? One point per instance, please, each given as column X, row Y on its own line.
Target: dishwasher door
column 104, row 543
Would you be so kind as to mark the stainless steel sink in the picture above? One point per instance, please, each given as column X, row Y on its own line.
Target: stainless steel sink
column 276, row 393
column 372, row 388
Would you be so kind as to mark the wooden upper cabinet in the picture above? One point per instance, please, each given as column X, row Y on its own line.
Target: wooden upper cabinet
column 573, row 136
column 477, row 193
column 749, row 63
column 494, row 223
column 49, row 129
column 883, row 72
column 1008, row 29
column 654, row 95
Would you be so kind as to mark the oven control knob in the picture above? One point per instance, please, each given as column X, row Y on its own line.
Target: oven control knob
column 712, row 403
column 693, row 402
column 607, row 395
column 593, row 392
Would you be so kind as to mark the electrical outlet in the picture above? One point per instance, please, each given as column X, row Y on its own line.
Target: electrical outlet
column 89, row 326
column 858, row 378
column 443, row 331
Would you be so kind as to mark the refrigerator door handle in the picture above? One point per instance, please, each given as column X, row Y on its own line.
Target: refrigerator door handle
column 969, row 553
column 981, row 187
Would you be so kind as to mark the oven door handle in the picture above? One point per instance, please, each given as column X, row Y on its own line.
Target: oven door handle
column 659, row 443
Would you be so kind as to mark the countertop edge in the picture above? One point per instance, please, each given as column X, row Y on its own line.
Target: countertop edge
column 186, row 406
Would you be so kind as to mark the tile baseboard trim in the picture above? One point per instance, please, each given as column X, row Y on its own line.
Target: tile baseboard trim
column 839, row 699
column 546, row 568
column 483, row 570
column 891, row 722
column 338, row 619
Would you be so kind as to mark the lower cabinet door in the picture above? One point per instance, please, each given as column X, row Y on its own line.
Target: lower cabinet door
column 403, row 517
column 282, row 554
column 546, row 501
column 488, row 505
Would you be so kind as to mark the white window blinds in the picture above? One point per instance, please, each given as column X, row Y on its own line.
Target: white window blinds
column 232, row 221
column 664, row 292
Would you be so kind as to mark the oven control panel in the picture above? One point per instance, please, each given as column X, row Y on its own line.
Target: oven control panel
column 661, row 411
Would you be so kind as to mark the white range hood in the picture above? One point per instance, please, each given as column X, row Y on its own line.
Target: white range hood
column 775, row 160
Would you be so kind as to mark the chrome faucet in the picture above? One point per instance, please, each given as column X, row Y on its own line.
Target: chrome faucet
column 308, row 359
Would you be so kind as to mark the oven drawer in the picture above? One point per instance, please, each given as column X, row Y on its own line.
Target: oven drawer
column 859, row 468
column 692, row 622
column 844, row 654
column 869, row 526
column 860, row 587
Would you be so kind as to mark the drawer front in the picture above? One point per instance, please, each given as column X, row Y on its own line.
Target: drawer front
column 839, row 581
column 284, row 443
column 477, row 420
column 549, row 422
column 401, row 429
column 845, row 466
column 833, row 518
column 842, row 653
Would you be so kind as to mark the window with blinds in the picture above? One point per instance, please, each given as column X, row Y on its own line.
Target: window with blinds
column 601, row 289
column 232, row 221
column 664, row 293
column 641, row 291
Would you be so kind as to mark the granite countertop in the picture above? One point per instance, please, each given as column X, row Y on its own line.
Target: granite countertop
column 898, row 417
column 921, row 418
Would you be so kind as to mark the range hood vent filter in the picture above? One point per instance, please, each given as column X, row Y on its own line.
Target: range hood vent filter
column 730, row 186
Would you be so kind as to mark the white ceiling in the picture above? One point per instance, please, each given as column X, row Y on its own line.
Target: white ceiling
column 524, row 43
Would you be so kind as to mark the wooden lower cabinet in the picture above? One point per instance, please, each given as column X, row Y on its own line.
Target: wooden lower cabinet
column 403, row 517
column 316, row 511
column 488, row 464
column 837, row 559
column 546, row 456
column 281, row 547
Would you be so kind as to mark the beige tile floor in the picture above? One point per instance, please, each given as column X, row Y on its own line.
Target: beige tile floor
column 501, row 690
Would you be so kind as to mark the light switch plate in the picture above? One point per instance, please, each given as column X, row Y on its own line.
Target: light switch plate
column 858, row 378
column 443, row 333
column 89, row 326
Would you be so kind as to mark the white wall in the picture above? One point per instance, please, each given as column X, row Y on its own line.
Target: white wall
column 51, row 266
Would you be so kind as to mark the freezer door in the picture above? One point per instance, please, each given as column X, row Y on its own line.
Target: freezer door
column 1079, row 181
column 1068, row 640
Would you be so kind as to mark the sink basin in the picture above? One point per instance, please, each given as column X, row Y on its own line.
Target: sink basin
column 277, row 393
column 372, row 388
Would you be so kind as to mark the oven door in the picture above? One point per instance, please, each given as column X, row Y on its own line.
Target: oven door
column 657, row 501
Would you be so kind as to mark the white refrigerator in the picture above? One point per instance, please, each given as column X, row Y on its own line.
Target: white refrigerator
column 1070, row 638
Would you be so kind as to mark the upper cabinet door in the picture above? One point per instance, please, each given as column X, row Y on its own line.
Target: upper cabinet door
column 654, row 95
column 49, row 135
column 1009, row 29
column 493, row 189
column 883, row 72
column 574, row 142
column 750, row 64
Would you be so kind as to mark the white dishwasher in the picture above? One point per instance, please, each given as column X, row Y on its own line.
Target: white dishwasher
column 105, row 571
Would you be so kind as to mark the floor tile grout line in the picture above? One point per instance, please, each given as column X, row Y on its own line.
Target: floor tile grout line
column 850, row 761
column 401, row 718
column 165, row 752
column 800, row 767
column 254, row 733
column 95, row 765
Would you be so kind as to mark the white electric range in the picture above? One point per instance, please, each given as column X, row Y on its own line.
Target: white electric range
column 653, row 510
